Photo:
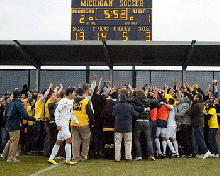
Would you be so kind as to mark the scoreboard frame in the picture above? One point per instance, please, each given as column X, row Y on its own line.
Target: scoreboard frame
column 111, row 20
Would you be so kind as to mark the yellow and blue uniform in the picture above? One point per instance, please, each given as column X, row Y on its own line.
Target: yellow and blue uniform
column 79, row 110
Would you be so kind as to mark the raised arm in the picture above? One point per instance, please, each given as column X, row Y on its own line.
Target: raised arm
column 93, row 84
column 46, row 93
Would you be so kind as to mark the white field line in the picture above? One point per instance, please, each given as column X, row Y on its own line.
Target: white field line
column 46, row 169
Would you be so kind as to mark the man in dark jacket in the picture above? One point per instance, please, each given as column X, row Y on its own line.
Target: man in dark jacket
column 123, row 127
column 197, row 117
column 13, row 113
column 98, row 102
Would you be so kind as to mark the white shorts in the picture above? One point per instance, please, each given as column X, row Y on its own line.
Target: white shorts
column 161, row 132
column 171, row 132
column 64, row 133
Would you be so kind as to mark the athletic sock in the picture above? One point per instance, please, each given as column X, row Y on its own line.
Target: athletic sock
column 176, row 147
column 171, row 146
column 54, row 152
column 164, row 145
column 157, row 143
column 68, row 151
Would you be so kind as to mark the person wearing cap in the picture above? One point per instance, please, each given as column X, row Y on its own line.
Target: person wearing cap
column 13, row 113
column 123, row 127
column 81, row 136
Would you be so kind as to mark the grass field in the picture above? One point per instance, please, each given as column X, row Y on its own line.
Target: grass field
column 179, row 166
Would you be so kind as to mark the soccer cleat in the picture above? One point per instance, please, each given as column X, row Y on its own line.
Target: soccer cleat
column 52, row 162
column 160, row 156
column 138, row 159
column 213, row 155
column 70, row 163
column 174, row 155
column 164, row 156
column 202, row 156
column 151, row 158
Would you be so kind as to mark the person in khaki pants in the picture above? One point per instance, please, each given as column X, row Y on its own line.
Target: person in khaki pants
column 13, row 113
column 123, row 127
column 81, row 136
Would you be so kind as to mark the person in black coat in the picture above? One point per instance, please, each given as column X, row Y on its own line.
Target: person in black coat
column 98, row 102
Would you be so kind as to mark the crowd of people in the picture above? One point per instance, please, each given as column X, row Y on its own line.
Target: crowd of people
column 91, row 121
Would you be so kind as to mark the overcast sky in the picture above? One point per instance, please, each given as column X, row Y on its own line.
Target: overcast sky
column 173, row 20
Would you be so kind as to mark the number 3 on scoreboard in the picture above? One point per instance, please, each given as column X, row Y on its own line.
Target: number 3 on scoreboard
column 125, row 36
column 148, row 36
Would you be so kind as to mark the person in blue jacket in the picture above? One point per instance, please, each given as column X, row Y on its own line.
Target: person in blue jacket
column 13, row 113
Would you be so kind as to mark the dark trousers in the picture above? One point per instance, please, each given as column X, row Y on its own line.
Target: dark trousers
column 199, row 137
column 38, row 141
column 4, row 138
column 98, row 139
column 212, row 141
column 187, row 139
column 143, row 126
column 49, row 139
column 31, row 132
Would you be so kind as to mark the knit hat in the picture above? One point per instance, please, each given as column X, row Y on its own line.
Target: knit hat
column 123, row 97
column 16, row 94
column 80, row 91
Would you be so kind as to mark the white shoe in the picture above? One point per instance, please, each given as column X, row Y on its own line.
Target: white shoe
column 213, row 155
column 18, row 153
column 138, row 159
column 207, row 154
column 217, row 156
column 13, row 161
column 202, row 156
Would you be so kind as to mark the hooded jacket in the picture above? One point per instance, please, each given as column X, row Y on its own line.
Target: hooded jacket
column 13, row 113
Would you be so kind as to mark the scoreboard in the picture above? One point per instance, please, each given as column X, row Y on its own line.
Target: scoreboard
column 111, row 20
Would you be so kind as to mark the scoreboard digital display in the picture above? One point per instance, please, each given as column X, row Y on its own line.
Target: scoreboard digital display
column 111, row 20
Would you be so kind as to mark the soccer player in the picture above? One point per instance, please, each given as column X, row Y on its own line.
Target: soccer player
column 171, row 130
column 162, row 115
column 63, row 113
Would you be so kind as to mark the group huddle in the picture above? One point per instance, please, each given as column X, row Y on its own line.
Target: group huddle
column 87, row 122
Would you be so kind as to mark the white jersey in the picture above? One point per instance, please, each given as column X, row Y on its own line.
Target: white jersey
column 64, row 112
column 171, row 118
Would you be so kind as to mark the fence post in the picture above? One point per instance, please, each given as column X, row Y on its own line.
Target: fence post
column 133, row 76
column 183, row 75
column 213, row 77
column 37, row 79
column 87, row 74
column 111, row 74
column 29, row 78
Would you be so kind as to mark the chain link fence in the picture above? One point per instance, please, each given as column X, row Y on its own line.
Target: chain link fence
column 10, row 79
